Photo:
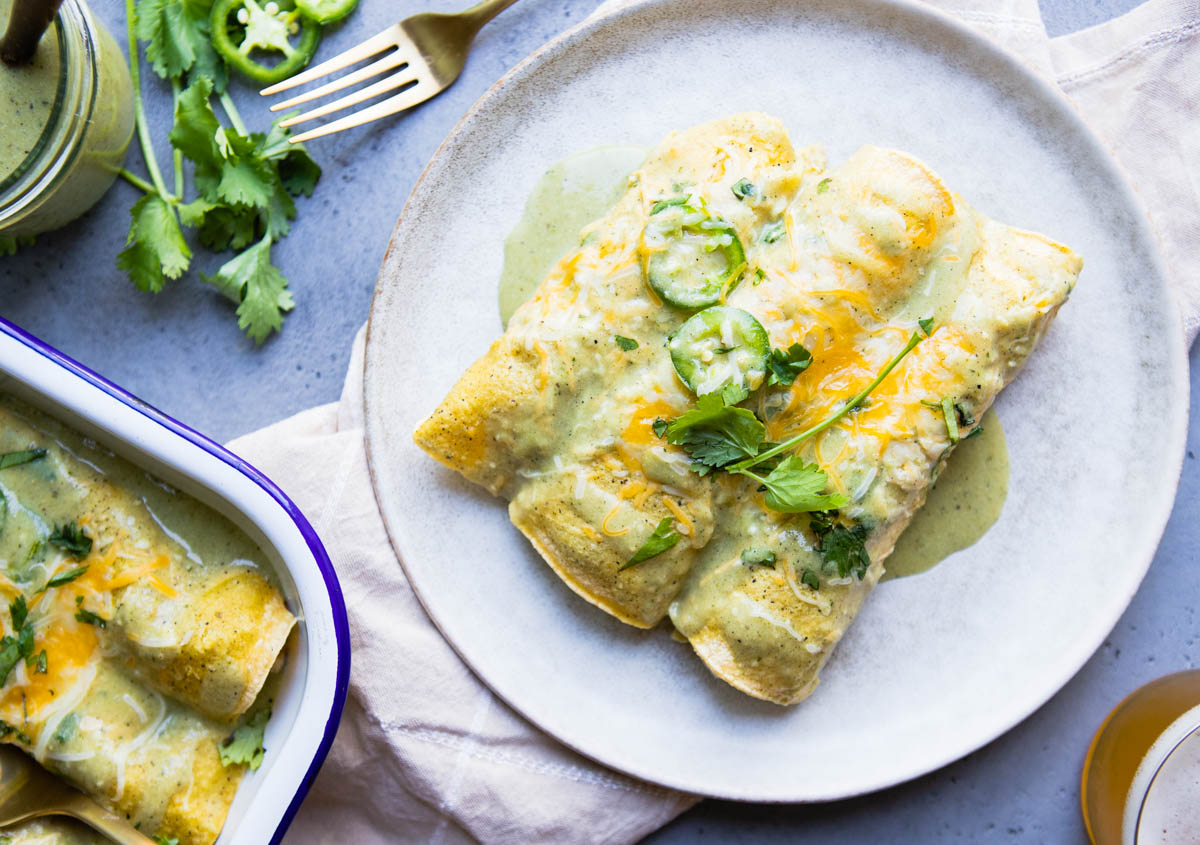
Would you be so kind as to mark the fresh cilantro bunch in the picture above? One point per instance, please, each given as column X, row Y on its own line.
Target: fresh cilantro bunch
column 243, row 182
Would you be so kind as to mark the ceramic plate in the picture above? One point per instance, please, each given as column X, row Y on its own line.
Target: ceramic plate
column 937, row 664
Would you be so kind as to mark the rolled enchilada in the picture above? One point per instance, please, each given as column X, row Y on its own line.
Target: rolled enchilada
column 840, row 265
column 153, row 627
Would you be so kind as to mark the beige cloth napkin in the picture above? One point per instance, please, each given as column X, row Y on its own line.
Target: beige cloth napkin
column 426, row 753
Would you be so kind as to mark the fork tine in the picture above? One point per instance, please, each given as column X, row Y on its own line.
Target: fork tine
column 391, row 60
column 405, row 99
column 396, row 80
column 375, row 44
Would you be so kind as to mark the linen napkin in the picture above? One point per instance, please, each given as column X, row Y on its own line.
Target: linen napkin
column 425, row 752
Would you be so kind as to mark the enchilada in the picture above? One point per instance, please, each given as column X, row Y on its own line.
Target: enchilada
column 141, row 630
column 740, row 295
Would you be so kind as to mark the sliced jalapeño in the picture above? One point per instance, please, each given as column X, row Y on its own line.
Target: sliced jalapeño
column 719, row 347
column 691, row 256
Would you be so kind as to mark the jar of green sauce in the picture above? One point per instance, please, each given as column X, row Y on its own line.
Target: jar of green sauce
column 66, row 119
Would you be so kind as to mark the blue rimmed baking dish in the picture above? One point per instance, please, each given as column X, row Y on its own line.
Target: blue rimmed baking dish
column 313, row 692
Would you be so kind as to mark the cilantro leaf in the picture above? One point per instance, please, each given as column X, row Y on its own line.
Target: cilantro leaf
column 197, row 133
column 41, row 663
column 716, row 432
column 796, row 487
column 245, row 744
column 297, row 170
column 809, row 578
column 221, row 226
column 823, row 185
column 245, row 177
column 165, row 27
column 252, row 281
column 926, row 324
column 64, row 577
column 660, row 426
column 208, row 62
column 67, row 728
column 71, row 538
column 743, row 188
column 773, row 232
column 13, row 649
column 155, row 249
column 86, row 616
column 10, row 653
column 664, row 537
column 178, row 41
column 843, row 548
column 15, row 459
column 786, row 365
column 18, row 610
column 758, row 557
column 626, row 343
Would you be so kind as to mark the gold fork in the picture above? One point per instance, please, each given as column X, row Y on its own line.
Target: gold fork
column 430, row 50
column 28, row 791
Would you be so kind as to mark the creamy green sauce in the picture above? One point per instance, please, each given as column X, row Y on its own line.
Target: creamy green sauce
column 572, row 193
column 36, row 114
column 962, row 505
column 27, row 96
column 204, row 537
column 969, row 494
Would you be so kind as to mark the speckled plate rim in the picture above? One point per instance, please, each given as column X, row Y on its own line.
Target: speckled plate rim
column 1171, row 428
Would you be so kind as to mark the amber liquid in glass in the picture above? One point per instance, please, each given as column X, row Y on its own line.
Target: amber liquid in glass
column 1128, row 759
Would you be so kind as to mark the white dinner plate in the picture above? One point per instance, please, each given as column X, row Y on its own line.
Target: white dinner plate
column 936, row 664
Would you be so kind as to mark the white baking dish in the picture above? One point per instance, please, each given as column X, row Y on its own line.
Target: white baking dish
column 313, row 692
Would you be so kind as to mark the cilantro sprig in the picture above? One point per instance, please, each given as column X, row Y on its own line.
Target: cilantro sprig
column 719, row 435
column 244, row 182
column 842, row 543
column 71, row 539
column 785, row 365
column 245, row 745
column 17, row 646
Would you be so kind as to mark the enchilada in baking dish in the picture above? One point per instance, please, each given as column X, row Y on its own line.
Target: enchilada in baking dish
column 141, row 629
column 726, row 405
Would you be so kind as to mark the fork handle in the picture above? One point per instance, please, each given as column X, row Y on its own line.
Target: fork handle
column 481, row 13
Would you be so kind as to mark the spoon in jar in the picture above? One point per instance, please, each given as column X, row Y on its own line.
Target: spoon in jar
column 28, row 21
column 28, row 791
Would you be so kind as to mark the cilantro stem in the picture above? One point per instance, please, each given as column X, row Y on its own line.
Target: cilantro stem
column 136, row 181
column 792, row 442
column 231, row 111
column 139, row 108
column 177, row 160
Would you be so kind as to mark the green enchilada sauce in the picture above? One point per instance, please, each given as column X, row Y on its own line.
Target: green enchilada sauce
column 963, row 504
column 571, row 194
column 968, row 496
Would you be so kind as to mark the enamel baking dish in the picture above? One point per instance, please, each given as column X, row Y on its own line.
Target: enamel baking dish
column 313, row 692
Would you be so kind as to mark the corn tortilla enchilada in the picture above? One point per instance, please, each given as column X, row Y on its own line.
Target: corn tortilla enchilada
column 729, row 242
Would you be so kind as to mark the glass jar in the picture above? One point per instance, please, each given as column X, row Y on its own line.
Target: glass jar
column 65, row 126
column 1141, row 776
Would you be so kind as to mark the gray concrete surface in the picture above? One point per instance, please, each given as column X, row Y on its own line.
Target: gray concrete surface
column 182, row 351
